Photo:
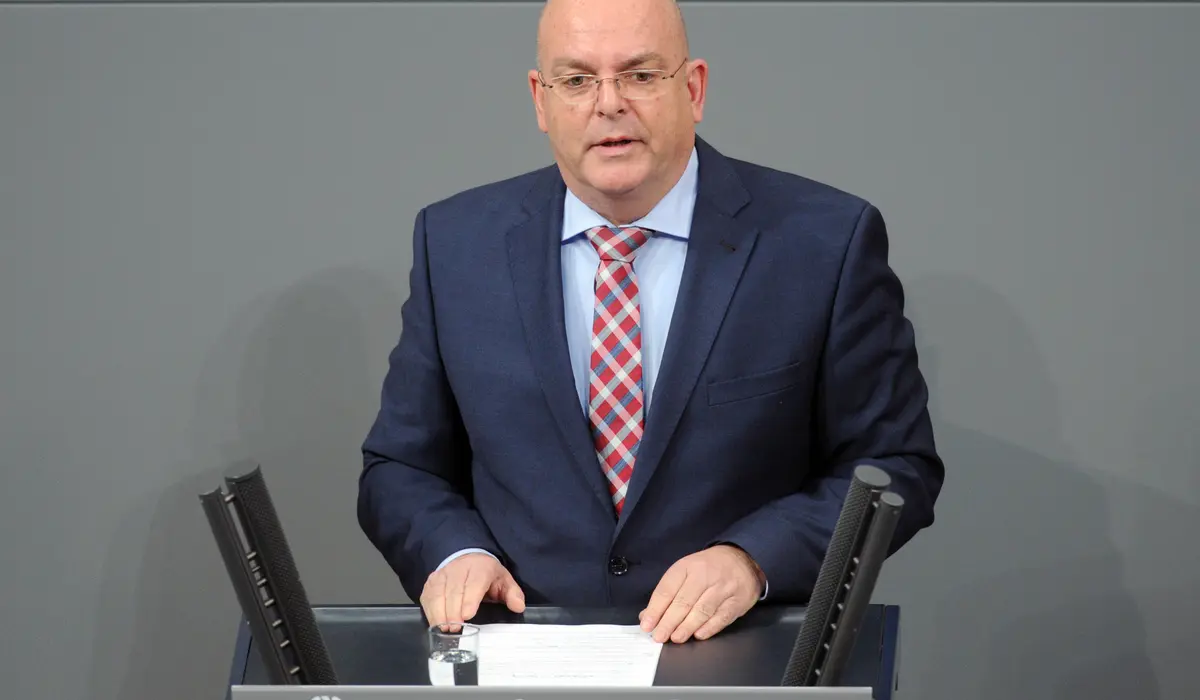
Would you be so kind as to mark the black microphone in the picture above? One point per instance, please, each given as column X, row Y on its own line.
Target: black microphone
column 266, row 582
column 849, row 571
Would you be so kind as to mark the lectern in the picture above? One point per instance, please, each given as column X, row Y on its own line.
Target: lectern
column 385, row 645
column 839, row 640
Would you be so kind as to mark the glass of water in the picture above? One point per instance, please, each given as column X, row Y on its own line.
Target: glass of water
column 454, row 655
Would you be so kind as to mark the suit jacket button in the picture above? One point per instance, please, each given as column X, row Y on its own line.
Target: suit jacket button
column 617, row 566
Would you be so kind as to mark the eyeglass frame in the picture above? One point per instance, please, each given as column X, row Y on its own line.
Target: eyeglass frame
column 597, row 81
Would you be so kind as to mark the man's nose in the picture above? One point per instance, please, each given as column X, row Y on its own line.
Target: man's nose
column 608, row 98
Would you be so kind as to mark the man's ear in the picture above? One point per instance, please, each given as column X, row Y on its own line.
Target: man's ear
column 538, row 93
column 697, row 84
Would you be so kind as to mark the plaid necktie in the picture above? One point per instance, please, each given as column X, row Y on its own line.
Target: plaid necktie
column 615, row 387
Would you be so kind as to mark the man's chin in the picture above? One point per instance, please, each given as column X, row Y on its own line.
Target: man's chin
column 619, row 189
column 617, row 181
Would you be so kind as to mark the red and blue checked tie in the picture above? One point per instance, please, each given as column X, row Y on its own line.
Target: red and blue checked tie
column 615, row 408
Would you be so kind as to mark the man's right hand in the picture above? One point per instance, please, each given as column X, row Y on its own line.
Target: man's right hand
column 453, row 593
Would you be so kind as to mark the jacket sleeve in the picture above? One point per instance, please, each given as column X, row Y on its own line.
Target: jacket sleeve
column 414, row 497
column 872, row 409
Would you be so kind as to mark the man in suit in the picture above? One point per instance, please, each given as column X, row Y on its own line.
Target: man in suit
column 643, row 375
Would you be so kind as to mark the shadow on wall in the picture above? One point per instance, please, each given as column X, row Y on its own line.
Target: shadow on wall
column 1018, row 590
column 292, row 384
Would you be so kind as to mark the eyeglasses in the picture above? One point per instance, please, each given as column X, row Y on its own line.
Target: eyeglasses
column 639, row 84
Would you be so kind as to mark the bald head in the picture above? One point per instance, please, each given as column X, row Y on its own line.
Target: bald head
column 619, row 95
column 562, row 19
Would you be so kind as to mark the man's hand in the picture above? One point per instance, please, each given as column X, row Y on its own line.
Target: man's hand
column 702, row 594
column 452, row 594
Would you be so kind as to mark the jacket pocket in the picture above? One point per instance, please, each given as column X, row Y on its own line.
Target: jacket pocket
column 750, row 386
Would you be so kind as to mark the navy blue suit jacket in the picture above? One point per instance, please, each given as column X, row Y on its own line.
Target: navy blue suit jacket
column 789, row 361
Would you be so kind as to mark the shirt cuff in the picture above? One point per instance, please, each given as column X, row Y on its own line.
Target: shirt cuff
column 459, row 553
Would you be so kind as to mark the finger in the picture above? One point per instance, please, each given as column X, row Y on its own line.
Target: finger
column 514, row 597
column 662, row 596
column 705, row 607
column 728, row 611
column 433, row 599
column 691, row 590
column 505, row 589
column 478, row 581
column 455, row 580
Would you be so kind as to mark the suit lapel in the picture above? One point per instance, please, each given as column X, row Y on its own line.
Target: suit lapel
column 718, row 250
column 534, row 256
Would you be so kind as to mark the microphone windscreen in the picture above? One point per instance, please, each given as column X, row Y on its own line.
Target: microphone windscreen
column 865, row 487
column 265, row 535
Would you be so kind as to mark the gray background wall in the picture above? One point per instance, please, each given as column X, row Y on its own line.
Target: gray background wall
column 205, row 216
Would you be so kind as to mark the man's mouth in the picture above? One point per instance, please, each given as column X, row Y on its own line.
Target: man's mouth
column 613, row 143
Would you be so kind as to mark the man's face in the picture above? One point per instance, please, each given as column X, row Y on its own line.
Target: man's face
column 603, row 38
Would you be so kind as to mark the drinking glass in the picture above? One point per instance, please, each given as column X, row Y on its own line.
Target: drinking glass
column 454, row 655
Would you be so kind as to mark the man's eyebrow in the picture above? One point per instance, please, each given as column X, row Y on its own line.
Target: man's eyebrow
column 585, row 67
column 572, row 64
column 642, row 58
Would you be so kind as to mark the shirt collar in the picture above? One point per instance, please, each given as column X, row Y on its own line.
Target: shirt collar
column 672, row 216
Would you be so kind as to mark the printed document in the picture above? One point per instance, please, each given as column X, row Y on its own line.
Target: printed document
column 566, row 655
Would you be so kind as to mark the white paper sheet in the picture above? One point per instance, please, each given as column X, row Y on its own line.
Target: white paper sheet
column 566, row 655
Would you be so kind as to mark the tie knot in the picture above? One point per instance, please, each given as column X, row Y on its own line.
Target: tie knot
column 619, row 245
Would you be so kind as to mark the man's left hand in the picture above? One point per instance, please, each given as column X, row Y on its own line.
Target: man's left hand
column 702, row 594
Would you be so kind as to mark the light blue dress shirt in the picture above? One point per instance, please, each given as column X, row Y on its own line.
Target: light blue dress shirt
column 658, row 267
